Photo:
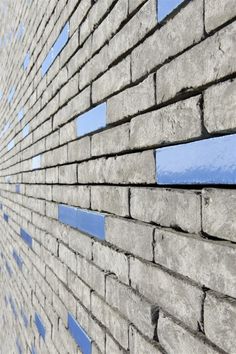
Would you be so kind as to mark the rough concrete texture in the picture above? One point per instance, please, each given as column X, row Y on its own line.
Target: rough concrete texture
column 96, row 257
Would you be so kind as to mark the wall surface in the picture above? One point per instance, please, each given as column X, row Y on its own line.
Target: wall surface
column 117, row 176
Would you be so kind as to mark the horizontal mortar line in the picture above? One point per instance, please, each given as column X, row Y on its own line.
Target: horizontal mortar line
column 197, row 334
column 43, row 33
column 144, row 39
column 99, row 157
column 202, row 235
column 178, row 54
column 52, row 30
column 122, row 56
column 212, row 135
column 177, row 98
column 192, row 187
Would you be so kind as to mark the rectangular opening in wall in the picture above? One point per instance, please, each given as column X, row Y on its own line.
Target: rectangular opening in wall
column 166, row 7
column 209, row 161
column 91, row 121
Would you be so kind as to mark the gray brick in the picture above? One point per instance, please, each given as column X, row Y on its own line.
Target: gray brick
column 69, row 90
column 68, row 257
column 218, row 213
column 110, row 24
column 79, row 150
column 176, row 339
column 166, row 42
column 218, row 12
column 117, row 325
column 54, row 157
column 52, row 175
column 68, row 174
column 133, row 4
column 206, row 265
column 113, row 347
column 136, row 309
column 110, row 141
column 220, row 321
column 130, row 236
column 76, row 195
column 112, row 81
column 102, row 256
column 79, row 289
column 95, row 14
column 138, row 344
column 178, row 122
column 91, row 275
column 97, row 65
column 134, row 30
column 159, row 282
column 79, row 242
column 79, row 14
column 211, row 60
column 174, row 295
column 68, row 132
column 219, row 107
column 111, row 199
column 131, row 101
column 131, row 168
column 152, row 204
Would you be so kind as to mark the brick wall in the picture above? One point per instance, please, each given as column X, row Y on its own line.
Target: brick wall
column 117, row 175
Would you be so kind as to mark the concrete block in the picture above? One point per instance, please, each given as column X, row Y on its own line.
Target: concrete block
column 134, row 31
column 94, row 16
column 113, row 347
column 76, row 195
column 91, row 275
column 79, row 289
column 68, row 257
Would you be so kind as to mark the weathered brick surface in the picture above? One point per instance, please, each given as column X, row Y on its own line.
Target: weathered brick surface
column 178, row 122
column 174, row 295
column 219, row 107
column 218, row 207
column 218, row 12
column 174, row 338
column 208, row 256
column 167, row 42
column 220, row 320
column 96, row 254
column 150, row 205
